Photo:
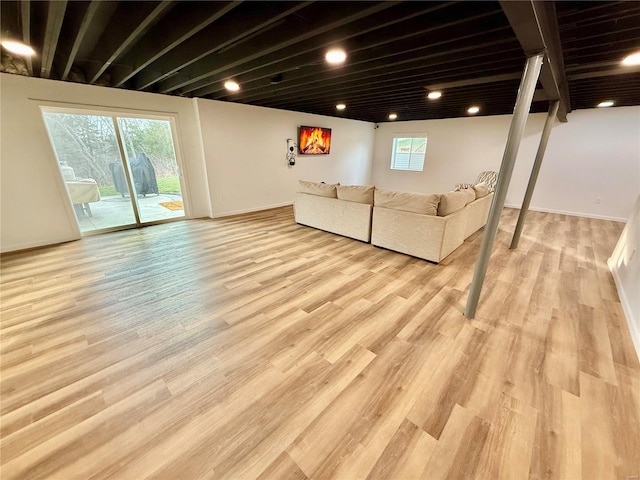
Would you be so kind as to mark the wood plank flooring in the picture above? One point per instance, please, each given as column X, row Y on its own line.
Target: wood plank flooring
column 252, row 347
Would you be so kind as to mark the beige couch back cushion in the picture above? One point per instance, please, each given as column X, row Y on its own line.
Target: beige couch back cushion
column 356, row 193
column 321, row 189
column 481, row 189
column 425, row 204
column 453, row 201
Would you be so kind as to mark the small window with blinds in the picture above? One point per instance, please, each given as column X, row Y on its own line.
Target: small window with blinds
column 408, row 153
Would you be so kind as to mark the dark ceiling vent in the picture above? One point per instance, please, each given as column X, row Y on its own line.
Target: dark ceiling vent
column 276, row 79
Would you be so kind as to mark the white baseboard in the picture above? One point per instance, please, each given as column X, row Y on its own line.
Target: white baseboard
column 626, row 307
column 251, row 210
column 573, row 214
column 42, row 243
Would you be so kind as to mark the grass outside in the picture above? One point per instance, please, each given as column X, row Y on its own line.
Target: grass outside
column 165, row 185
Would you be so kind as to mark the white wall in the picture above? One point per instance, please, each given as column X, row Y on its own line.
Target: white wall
column 33, row 201
column 245, row 151
column 625, row 267
column 235, row 150
column 234, row 156
column 595, row 155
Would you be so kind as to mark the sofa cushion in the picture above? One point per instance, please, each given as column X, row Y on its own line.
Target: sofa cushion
column 321, row 189
column 471, row 195
column 423, row 203
column 451, row 202
column 356, row 193
column 481, row 189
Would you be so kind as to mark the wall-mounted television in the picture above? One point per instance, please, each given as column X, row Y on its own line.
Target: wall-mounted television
column 314, row 141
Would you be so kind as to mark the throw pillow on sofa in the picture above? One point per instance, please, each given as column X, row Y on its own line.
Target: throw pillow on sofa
column 423, row 203
column 489, row 178
column 356, row 193
column 453, row 201
column 320, row 189
column 481, row 189
column 462, row 186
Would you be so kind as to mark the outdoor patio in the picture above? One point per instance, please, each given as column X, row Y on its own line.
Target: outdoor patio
column 114, row 211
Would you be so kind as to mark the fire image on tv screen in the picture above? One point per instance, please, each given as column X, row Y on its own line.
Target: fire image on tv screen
column 314, row 141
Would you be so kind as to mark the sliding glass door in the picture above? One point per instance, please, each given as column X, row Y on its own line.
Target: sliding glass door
column 151, row 156
column 119, row 171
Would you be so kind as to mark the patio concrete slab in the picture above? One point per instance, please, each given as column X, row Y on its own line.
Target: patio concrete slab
column 114, row 211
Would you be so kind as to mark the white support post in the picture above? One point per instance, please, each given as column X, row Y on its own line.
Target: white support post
column 518, row 122
column 546, row 132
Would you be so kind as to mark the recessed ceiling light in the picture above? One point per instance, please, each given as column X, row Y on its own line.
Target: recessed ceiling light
column 434, row 95
column 18, row 48
column 606, row 103
column 631, row 60
column 335, row 56
column 393, row 116
column 231, row 86
column 473, row 110
column 341, row 106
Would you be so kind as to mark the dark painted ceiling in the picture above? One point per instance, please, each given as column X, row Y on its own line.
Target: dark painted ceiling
column 275, row 51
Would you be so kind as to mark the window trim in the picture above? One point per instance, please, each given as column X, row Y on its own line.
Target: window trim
column 412, row 136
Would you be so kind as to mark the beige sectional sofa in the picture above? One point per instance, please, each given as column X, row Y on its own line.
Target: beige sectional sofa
column 428, row 226
column 335, row 208
column 425, row 235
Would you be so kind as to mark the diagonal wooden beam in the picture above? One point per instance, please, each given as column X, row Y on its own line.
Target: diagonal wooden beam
column 151, row 48
column 82, row 31
column 132, row 38
column 55, row 16
column 535, row 25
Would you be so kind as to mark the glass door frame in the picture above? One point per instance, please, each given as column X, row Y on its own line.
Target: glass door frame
column 115, row 113
column 127, row 172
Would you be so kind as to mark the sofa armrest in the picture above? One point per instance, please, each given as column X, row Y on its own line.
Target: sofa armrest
column 425, row 236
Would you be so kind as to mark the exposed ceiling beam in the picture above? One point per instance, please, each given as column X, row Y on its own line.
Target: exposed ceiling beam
column 404, row 90
column 591, row 66
column 152, row 47
column 439, row 33
column 605, row 73
column 82, row 31
column 318, row 81
column 548, row 22
column 475, row 81
column 89, row 48
column 132, row 38
column 25, row 14
column 294, row 34
column 540, row 95
column 242, row 27
column 536, row 28
column 55, row 16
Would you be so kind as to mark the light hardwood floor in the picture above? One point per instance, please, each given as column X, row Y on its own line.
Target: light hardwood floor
column 252, row 347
